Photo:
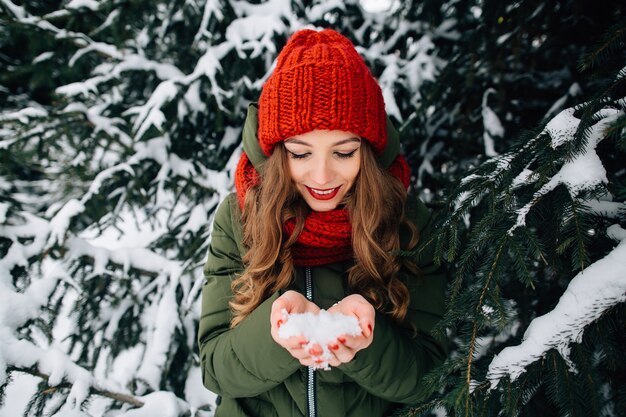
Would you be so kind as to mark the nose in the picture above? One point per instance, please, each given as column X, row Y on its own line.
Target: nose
column 322, row 171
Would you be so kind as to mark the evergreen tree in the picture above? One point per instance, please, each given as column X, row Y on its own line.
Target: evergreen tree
column 120, row 128
column 536, row 307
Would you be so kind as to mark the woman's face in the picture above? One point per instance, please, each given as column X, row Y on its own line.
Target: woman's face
column 324, row 164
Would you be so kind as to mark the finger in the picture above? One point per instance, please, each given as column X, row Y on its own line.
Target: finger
column 291, row 301
column 311, row 308
column 316, row 350
column 315, row 362
column 341, row 352
column 367, row 327
column 334, row 362
column 295, row 342
column 352, row 342
column 299, row 353
column 277, row 313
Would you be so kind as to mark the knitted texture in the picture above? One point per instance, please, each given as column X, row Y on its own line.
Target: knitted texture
column 327, row 236
column 320, row 82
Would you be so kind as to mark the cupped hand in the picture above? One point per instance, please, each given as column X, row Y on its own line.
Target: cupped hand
column 293, row 302
column 347, row 346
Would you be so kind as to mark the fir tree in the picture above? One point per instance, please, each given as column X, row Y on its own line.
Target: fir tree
column 538, row 248
column 120, row 127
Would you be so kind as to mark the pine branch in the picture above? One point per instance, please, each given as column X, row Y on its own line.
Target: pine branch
column 613, row 40
column 117, row 396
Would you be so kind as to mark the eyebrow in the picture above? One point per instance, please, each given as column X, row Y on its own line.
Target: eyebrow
column 341, row 142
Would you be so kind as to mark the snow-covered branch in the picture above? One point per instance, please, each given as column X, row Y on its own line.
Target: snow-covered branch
column 590, row 294
column 117, row 396
column 585, row 171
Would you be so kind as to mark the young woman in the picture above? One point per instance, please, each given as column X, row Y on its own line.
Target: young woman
column 320, row 215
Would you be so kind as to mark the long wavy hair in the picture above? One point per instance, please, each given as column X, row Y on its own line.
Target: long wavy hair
column 375, row 204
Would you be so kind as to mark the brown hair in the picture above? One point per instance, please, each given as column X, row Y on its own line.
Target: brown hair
column 375, row 204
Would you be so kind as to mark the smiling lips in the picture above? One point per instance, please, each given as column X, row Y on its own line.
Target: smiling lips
column 326, row 194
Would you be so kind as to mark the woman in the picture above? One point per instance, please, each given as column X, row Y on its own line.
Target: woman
column 320, row 214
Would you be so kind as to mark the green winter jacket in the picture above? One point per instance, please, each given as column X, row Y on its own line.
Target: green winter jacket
column 254, row 376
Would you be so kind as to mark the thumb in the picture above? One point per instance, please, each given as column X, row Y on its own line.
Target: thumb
column 280, row 308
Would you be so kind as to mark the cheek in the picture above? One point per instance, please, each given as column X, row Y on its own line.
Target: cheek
column 353, row 171
column 294, row 172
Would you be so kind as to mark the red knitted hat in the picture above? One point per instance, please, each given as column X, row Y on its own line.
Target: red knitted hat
column 320, row 82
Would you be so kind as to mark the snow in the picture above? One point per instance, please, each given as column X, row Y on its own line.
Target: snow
column 523, row 178
column 134, row 229
column 125, row 364
column 584, row 171
column 590, row 293
column 82, row 88
column 376, row 6
column 60, row 223
column 196, row 395
column 269, row 8
column 24, row 114
column 447, row 30
column 162, row 324
column 231, row 137
column 129, row 62
column 18, row 11
column 321, row 329
column 150, row 114
column 487, row 310
column 318, row 11
column 162, row 300
column 256, row 34
column 78, row 4
column 70, row 412
column 193, row 101
column 100, row 47
column 101, row 123
column 52, row 362
column 198, row 217
column 4, row 209
column 15, row 310
column 160, row 403
column 562, row 127
column 491, row 123
column 422, row 66
column 18, row 392
column 573, row 91
column 212, row 8
column 139, row 258
column 387, row 80
column 101, row 177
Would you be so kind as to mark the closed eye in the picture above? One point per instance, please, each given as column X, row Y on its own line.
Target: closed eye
column 346, row 155
column 298, row 155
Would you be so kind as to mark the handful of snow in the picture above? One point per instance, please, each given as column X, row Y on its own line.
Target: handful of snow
column 322, row 329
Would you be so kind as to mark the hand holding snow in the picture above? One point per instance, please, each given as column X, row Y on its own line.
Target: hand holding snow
column 322, row 329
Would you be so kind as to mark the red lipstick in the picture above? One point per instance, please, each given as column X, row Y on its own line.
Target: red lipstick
column 326, row 194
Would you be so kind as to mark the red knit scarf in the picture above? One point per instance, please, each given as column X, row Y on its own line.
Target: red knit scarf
column 326, row 236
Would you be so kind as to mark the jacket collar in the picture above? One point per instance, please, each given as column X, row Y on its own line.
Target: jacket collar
column 257, row 157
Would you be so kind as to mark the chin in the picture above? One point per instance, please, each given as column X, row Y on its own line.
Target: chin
column 321, row 206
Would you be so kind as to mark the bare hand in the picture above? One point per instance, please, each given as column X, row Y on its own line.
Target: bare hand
column 293, row 302
column 347, row 346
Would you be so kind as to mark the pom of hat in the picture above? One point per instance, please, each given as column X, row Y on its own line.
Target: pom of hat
column 320, row 82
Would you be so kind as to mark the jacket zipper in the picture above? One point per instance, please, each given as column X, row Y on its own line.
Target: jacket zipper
column 311, row 371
